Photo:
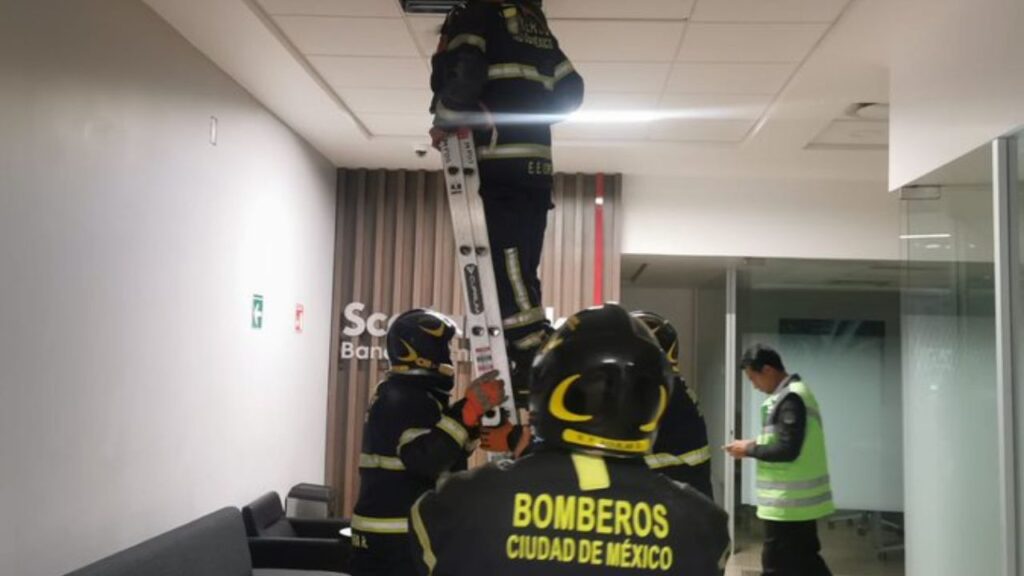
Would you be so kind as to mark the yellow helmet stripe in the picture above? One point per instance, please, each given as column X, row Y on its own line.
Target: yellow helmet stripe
column 557, row 403
column 411, row 356
column 662, row 404
column 436, row 333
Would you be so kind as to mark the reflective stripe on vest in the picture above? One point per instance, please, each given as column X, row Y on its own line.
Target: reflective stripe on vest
column 691, row 458
column 383, row 462
column 527, row 72
column 799, row 490
column 380, row 525
column 513, row 151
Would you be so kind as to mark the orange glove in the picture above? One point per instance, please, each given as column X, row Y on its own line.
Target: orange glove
column 484, row 394
column 505, row 438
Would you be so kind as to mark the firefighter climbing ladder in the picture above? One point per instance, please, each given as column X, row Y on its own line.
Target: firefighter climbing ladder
column 483, row 316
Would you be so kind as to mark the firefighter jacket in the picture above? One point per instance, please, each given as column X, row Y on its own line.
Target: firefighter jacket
column 556, row 512
column 411, row 438
column 681, row 450
column 499, row 69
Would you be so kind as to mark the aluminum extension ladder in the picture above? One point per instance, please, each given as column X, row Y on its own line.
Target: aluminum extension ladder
column 473, row 246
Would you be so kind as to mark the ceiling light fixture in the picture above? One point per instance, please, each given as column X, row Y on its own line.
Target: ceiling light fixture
column 924, row 236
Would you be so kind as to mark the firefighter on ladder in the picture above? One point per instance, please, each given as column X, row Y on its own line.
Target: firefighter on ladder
column 498, row 70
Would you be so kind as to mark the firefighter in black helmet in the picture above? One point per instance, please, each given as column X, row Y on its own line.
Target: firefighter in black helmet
column 681, row 451
column 411, row 438
column 584, row 500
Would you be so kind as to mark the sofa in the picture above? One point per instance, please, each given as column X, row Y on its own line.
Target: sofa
column 214, row 545
column 276, row 541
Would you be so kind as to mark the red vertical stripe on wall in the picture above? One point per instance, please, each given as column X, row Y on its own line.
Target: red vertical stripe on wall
column 599, row 241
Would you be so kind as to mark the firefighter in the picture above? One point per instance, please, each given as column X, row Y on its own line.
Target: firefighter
column 498, row 70
column 412, row 438
column 583, row 500
column 793, row 486
column 681, row 450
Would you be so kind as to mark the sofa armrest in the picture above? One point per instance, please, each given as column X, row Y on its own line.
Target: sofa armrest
column 330, row 555
column 319, row 527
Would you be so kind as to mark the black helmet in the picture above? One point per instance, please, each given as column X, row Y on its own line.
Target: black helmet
column 666, row 334
column 419, row 343
column 600, row 384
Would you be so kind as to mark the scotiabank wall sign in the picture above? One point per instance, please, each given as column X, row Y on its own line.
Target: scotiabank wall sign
column 360, row 325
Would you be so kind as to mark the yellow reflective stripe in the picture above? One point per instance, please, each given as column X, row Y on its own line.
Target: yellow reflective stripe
column 520, row 71
column 380, row 525
column 691, row 458
column 563, row 70
column 454, row 429
column 592, row 441
column 468, row 40
column 515, row 276
column 384, row 462
column 410, row 435
column 524, row 318
column 424, row 539
column 508, row 151
column 591, row 471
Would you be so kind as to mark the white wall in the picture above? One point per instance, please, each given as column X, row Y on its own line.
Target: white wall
column 676, row 305
column 134, row 396
column 760, row 218
column 957, row 80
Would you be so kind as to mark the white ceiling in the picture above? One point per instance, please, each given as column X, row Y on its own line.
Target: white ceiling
column 732, row 74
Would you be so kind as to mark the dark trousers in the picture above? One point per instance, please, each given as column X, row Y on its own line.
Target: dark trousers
column 516, row 221
column 792, row 549
column 381, row 555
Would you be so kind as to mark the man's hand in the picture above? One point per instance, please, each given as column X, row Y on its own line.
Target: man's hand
column 739, row 449
column 483, row 394
column 505, row 438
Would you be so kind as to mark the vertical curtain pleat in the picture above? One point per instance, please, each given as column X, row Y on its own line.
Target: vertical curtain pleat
column 395, row 250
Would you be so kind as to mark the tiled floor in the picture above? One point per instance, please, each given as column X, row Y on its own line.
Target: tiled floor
column 846, row 552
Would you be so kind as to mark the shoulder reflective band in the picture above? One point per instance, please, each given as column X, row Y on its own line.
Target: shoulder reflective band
column 410, row 435
column 454, row 429
column 691, row 458
column 384, row 462
column 512, row 151
column 424, row 539
column 795, row 503
column 795, row 485
column 380, row 525
column 591, row 441
column 468, row 40
column 527, row 72
column 591, row 471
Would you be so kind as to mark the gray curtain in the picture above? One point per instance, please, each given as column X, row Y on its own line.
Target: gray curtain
column 395, row 251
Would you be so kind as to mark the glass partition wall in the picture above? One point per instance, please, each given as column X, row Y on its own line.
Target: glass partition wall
column 950, row 386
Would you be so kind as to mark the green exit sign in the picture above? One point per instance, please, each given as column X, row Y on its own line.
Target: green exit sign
column 257, row 311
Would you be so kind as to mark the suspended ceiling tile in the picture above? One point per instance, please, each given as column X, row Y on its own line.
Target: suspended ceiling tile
column 617, row 101
column 427, row 30
column 619, row 9
column 397, row 124
column 768, row 10
column 604, row 132
column 350, row 72
column 362, row 8
column 853, row 134
column 720, row 106
column 619, row 77
column 349, row 36
column 729, row 78
column 618, row 41
column 701, row 130
column 749, row 42
column 378, row 100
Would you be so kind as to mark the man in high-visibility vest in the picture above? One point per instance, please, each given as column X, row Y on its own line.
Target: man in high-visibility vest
column 793, row 487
